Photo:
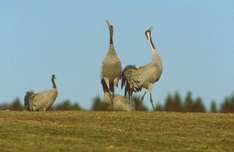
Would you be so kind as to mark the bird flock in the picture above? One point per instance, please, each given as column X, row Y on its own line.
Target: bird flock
column 133, row 79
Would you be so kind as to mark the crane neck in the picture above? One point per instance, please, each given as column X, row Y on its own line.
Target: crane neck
column 155, row 56
column 53, row 83
column 151, row 44
column 111, row 50
column 111, row 32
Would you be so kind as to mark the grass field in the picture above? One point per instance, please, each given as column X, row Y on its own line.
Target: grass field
column 115, row 131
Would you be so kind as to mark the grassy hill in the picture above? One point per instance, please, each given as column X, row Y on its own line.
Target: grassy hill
column 115, row 131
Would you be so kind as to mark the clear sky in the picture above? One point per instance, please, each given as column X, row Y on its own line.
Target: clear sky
column 70, row 38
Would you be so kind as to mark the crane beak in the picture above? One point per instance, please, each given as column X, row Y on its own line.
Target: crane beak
column 150, row 28
column 108, row 23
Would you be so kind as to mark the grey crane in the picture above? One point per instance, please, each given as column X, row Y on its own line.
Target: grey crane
column 134, row 79
column 111, row 67
column 41, row 101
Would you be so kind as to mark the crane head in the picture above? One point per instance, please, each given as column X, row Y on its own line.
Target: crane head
column 148, row 32
column 151, row 28
column 53, row 76
column 110, row 25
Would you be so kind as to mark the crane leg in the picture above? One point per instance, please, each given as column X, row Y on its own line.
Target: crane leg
column 142, row 97
column 113, row 96
column 152, row 102
column 112, row 101
column 150, row 92
column 132, row 102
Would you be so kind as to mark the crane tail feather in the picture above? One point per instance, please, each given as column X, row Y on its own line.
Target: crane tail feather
column 27, row 99
column 104, row 86
column 128, row 80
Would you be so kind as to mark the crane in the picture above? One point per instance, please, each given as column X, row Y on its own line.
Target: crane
column 111, row 67
column 134, row 79
column 43, row 100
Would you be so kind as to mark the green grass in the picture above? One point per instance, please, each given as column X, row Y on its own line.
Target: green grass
column 115, row 131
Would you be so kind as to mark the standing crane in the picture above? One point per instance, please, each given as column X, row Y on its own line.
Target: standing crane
column 134, row 79
column 41, row 101
column 111, row 68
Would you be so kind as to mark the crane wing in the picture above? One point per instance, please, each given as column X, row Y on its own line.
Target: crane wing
column 131, row 79
column 44, row 99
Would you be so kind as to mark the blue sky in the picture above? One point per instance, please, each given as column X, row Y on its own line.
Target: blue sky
column 70, row 39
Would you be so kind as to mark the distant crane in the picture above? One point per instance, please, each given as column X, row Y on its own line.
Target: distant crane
column 134, row 79
column 41, row 101
column 111, row 68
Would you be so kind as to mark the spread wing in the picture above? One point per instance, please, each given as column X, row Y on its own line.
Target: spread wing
column 131, row 79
